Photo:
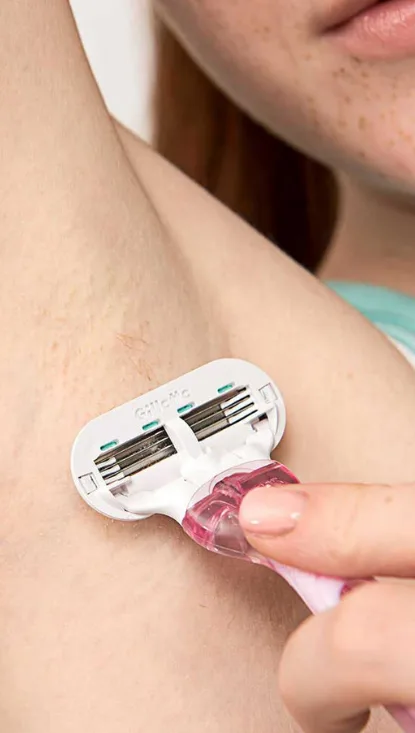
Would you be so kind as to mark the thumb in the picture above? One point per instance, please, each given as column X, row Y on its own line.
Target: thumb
column 339, row 530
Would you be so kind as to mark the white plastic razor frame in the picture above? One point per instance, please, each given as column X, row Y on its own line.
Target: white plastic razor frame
column 171, row 440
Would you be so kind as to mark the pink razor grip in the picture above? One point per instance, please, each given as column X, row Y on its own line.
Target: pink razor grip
column 212, row 521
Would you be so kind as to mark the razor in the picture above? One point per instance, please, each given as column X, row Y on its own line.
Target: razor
column 191, row 450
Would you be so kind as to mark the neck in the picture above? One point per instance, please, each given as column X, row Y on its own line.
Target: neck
column 374, row 241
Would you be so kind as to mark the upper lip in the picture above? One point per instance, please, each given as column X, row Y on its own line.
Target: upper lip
column 345, row 10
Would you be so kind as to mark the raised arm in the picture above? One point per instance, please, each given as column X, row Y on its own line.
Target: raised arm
column 117, row 275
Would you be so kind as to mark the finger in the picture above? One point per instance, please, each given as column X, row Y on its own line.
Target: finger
column 343, row 530
column 341, row 663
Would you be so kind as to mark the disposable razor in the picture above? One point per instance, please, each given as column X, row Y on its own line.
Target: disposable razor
column 191, row 450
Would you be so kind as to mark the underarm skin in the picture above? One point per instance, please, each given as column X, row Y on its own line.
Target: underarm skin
column 118, row 274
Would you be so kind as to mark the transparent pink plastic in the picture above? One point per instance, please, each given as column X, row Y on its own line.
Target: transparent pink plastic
column 212, row 520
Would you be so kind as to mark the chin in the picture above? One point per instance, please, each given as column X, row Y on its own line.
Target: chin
column 364, row 137
column 380, row 156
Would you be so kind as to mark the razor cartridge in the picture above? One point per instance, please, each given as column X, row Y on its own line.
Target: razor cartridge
column 181, row 434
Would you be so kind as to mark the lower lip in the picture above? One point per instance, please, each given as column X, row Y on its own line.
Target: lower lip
column 385, row 31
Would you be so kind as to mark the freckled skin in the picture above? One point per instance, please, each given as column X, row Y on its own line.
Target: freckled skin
column 272, row 58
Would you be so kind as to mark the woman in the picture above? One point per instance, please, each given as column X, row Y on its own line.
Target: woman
column 118, row 274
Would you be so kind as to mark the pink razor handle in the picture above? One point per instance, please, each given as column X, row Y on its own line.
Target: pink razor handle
column 212, row 521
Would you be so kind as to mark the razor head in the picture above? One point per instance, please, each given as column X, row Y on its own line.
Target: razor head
column 226, row 408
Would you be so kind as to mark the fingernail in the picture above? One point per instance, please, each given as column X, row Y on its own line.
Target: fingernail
column 272, row 511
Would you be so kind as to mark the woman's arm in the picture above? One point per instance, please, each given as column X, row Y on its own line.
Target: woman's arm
column 117, row 275
column 72, row 193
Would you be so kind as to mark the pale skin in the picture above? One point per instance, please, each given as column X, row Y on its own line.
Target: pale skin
column 116, row 277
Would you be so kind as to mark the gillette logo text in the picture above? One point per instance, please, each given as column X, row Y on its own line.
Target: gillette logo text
column 172, row 399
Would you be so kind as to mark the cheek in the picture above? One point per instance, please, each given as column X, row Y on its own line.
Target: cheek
column 266, row 57
column 257, row 52
column 242, row 25
column 251, row 50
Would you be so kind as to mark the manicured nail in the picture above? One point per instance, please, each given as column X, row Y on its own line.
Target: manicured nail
column 272, row 510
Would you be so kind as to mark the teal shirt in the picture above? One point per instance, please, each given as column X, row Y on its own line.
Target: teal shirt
column 392, row 312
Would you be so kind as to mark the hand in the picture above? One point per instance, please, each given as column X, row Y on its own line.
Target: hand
column 339, row 664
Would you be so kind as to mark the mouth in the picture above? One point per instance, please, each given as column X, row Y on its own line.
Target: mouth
column 374, row 29
column 347, row 10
